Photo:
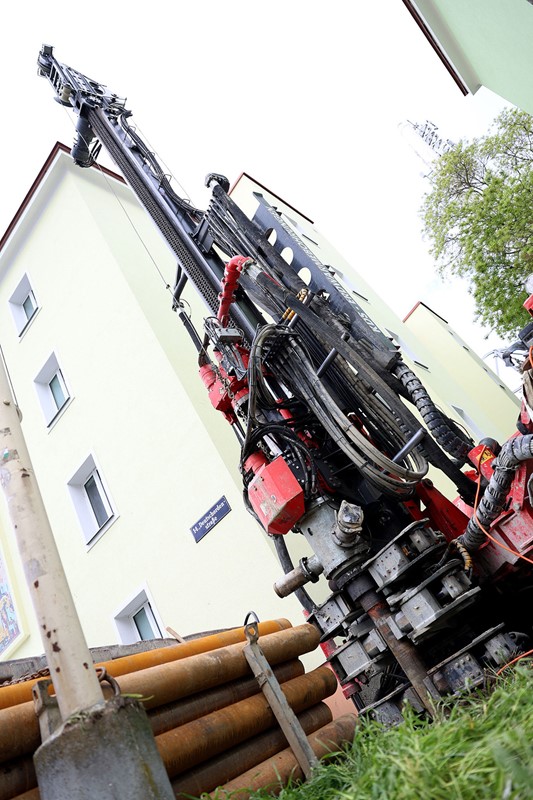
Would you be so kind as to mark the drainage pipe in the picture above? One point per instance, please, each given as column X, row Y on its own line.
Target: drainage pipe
column 275, row 772
column 67, row 654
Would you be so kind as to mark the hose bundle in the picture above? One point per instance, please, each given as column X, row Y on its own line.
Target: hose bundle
column 512, row 454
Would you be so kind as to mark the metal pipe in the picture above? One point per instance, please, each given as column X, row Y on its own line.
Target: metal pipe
column 403, row 651
column 75, row 681
column 17, row 776
column 165, row 683
column 168, row 682
column 205, row 777
column 21, row 692
column 19, row 731
column 25, row 735
column 228, row 765
column 175, row 714
column 275, row 772
column 185, row 747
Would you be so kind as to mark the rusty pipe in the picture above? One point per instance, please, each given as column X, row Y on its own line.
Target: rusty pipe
column 33, row 794
column 403, row 650
column 165, row 683
column 168, row 682
column 16, row 777
column 19, row 731
column 228, row 765
column 185, row 747
column 21, row 692
column 275, row 772
column 173, row 715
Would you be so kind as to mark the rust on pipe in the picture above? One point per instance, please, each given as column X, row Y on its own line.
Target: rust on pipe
column 33, row 794
column 16, row 777
column 198, row 705
column 166, row 683
column 185, row 747
column 275, row 772
column 403, row 650
column 230, row 764
column 169, row 682
column 21, row 692
column 19, row 731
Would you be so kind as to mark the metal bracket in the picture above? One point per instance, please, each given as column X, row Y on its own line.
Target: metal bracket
column 46, row 708
column 287, row 719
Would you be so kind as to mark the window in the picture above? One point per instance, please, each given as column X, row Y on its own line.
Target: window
column 23, row 305
column 145, row 623
column 97, row 498
column 138, row 619
column 51, row 389
column 91, row 500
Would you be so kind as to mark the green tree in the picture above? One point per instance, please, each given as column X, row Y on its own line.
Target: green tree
column 478, row 217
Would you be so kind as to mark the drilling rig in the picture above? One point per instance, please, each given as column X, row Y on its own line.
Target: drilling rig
column 336, row 435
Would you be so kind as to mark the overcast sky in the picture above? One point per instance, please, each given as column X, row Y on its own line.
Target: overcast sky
column 310, row 98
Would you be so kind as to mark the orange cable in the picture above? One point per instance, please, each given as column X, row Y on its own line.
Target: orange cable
column 509, row 663
column 531, row 357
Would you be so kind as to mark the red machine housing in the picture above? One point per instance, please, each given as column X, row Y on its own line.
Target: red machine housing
column 274, row 493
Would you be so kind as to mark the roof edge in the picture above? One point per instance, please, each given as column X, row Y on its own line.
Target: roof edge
column 57, row 148
column 424, row 305
column 436, row 47
column 266, row 189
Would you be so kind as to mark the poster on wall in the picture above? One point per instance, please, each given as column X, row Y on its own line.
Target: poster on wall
column 10, row 629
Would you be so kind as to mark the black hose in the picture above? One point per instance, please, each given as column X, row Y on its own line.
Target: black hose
column 440, row 427
column 512, row 453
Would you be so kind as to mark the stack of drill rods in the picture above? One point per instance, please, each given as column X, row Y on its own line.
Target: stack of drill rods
column 161, row 685
column 275, row 772
column 16, row 693
column 208, row 743
column 233, row 762
column 18, row 774
column 191, row 744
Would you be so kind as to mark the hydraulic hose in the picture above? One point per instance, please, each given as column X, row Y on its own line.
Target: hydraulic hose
column 512, row 453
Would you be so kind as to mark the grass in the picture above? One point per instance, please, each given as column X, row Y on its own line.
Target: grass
column 479, row 748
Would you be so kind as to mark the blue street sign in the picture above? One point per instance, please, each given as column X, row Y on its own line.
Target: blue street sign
column 210, row 519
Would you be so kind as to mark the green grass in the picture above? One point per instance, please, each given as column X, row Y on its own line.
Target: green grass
column 480, row 747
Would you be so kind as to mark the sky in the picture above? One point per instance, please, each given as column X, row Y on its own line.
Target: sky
column 309, row 98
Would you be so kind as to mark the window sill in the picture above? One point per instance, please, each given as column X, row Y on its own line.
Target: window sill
column 29, row 323
column 50, row 425
column 101, row 532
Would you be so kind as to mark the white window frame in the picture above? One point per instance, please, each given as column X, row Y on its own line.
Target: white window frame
column 124, row 618
column 17, row 300
column 91, row 527
column 46, row 396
